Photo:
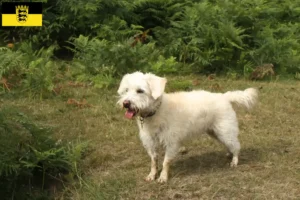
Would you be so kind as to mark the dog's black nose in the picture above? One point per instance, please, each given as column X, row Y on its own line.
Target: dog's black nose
column 126, row 104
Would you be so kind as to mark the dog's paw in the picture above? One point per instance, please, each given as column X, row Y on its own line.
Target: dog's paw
column 150, row 177
column 162, row 179
column 234, row 162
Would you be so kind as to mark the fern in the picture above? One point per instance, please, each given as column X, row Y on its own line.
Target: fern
column 10, row 61
column 28, row 150
column 204, row 36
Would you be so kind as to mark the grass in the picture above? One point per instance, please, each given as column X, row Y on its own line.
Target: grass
column 117, row 163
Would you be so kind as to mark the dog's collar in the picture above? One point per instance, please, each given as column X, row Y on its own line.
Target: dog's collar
column 150, row 114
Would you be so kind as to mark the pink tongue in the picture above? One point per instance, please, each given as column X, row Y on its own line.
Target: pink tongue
column 129, row 114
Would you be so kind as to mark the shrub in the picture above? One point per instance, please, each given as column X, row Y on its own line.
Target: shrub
column 205, row 36
column 34, row 71
column 29, row 155
column 164, row 66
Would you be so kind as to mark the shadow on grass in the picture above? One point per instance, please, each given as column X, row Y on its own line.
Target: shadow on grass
column 212, row 161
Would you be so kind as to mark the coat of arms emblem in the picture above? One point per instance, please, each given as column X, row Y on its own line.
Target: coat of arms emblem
column 22, row 13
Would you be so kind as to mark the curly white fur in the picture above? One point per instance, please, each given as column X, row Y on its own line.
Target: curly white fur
column 180, row 115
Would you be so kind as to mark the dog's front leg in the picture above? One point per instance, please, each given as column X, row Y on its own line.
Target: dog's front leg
column 153, row 171
column 151, row 147
column 171, row 152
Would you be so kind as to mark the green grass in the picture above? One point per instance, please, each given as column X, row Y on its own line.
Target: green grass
column 116, row 164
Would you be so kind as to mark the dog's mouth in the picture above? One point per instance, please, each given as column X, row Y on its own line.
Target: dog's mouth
column 130, row 113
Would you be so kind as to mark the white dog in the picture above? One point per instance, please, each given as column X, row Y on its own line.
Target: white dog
column 168, row 119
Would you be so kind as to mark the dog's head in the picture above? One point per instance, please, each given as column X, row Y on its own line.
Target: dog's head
column 139, row 92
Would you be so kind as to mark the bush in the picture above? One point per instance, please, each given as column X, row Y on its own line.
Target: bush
column 30, row 157
column 35, row 71
column 100, row 61
column 205, row 36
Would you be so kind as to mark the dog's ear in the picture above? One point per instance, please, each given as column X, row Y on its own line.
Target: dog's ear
column 121, row 87
column 157, row 85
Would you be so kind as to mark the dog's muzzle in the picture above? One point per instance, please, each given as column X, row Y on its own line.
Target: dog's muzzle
column 130, row 112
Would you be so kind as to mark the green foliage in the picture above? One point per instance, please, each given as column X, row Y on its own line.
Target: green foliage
column 34, row 70
column 96, row 54
column 203, row 36
column 93, row 60
column 162, row 65
column 278, row 44
column 10, row 61
column 40, row 71
column 29, row 155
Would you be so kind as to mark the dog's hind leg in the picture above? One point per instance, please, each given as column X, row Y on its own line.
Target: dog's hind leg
column 212, row 134
column 228, row 135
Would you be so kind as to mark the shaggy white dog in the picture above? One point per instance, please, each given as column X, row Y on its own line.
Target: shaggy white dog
column 168, row 119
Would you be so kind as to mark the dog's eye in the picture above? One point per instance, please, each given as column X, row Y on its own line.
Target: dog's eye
column 140, row 91
column 126, row 90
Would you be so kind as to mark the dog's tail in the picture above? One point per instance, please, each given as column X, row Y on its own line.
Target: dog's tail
column 246, row 98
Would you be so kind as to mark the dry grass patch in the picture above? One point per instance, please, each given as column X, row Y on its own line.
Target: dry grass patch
column 116, row 164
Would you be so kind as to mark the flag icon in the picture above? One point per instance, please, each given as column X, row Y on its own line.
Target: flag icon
column 22, row 14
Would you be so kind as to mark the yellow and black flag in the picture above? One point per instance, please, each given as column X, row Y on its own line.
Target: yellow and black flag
column 22, row 14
